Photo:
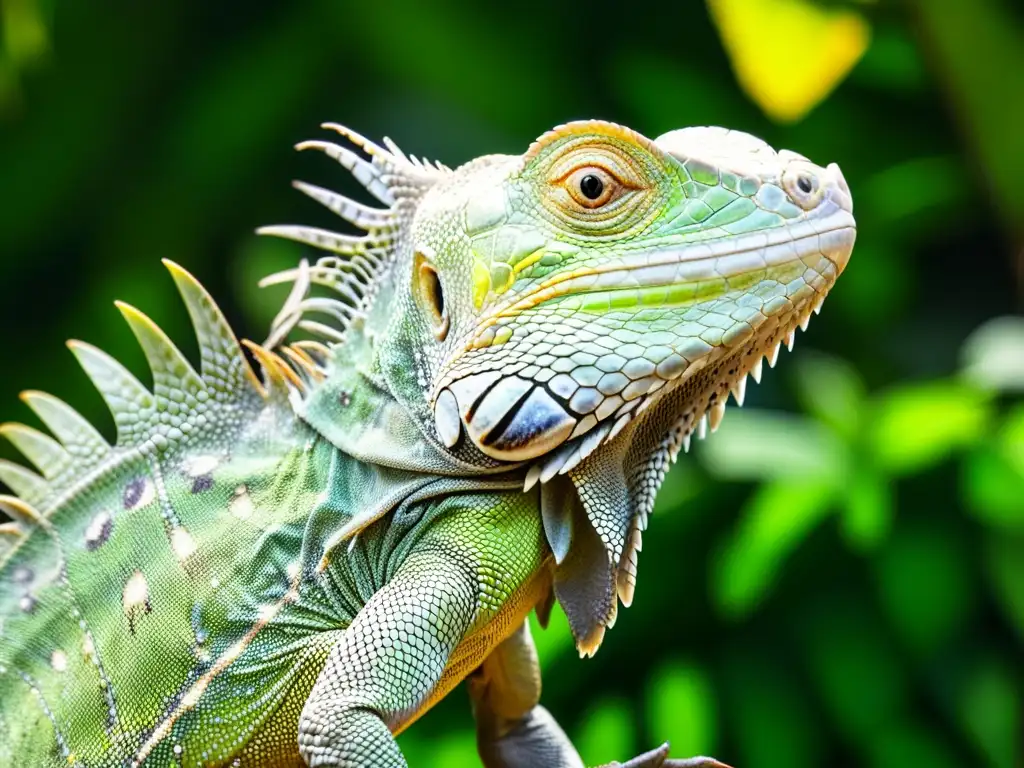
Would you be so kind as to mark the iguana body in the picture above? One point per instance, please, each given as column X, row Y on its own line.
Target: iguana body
column 291, row 568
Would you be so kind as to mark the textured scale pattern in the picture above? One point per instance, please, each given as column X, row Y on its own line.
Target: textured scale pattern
column 460, row 415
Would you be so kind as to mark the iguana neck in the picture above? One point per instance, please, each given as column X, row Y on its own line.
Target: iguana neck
column 371, row 406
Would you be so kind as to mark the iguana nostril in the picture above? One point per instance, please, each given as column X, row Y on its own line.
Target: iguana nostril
column 805, row 184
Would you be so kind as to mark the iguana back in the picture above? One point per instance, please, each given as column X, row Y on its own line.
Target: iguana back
column 133, row 575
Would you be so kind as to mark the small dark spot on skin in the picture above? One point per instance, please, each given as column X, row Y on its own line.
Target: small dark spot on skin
column 345, row 398
column 714, row 396
column 95, row 538
column 133, row 492
column 202, row 483
column 147, row 608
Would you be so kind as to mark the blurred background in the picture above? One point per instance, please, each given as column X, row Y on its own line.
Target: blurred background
column 837, row 577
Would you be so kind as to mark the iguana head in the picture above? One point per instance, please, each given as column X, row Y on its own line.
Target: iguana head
column 561, row 295
column 584, row 308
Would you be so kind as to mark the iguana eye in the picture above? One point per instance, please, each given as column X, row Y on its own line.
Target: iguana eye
column 596, row 188
column 592, row 187
column 431, row 296
column 802, row 185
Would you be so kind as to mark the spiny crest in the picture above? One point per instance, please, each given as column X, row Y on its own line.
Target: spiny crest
column 214, row 402
column 360, row 262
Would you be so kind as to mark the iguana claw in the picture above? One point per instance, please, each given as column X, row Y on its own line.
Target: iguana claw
column 658, row 758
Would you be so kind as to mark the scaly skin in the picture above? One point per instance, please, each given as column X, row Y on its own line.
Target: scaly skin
column 290, row 569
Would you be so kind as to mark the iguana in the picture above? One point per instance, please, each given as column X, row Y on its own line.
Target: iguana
column 462, row 414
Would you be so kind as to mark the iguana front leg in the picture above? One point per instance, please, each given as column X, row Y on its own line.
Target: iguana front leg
column 387, row 663
column 514, row 731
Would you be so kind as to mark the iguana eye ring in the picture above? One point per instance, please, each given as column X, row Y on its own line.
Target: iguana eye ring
column 592, row 187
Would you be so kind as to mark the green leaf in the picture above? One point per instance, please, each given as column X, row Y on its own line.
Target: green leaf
column 913, row 192
column 832, row 390
column 976, row 53
column 457, row 748
column 902, row 745
column 681, row 709
column 860, row 677
column 893, row 62
column 877, row 292
column 925, row 586
column 607, row 733
column 919, row 425
column 773, row 723
column 989, row 709
column 1011, row 440
column 26, row 40
column 758, row 445
column 777, row 517
column 994, row 489
column 993, row 355
column 1005, row 566
column 868, row 507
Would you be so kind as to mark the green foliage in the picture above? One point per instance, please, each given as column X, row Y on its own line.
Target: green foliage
column 837, row 576
column 681, row 708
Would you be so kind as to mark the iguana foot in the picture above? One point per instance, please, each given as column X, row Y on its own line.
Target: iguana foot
column 658, row 758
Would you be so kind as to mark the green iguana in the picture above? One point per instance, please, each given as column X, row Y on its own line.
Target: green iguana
column 289, row 568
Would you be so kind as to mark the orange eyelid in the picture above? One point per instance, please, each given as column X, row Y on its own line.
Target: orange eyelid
column 595, row 166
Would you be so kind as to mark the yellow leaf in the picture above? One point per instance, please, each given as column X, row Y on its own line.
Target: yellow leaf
column 788, row 55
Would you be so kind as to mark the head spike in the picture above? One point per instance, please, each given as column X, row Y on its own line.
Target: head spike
column 324, row 239
column 366, row 173
column 24, row 482
column 304, row 363
column 42, row 450
column 395, row 180
column 314, row 349
column 81, row 438
column 171, row 371
column 275, row 377
column 323, row 331
column 11, row 535
column 355, row 213
column 19, row 511
column 369, row 147
column 130, row 403
column 224, row 367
